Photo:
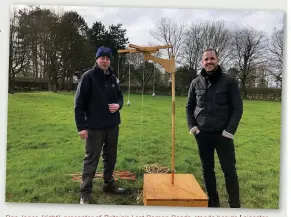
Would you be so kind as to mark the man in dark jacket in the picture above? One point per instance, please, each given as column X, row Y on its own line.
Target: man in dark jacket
column 98, row 100
column 214, row 109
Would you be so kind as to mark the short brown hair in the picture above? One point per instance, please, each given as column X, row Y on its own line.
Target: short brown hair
column 211, row 49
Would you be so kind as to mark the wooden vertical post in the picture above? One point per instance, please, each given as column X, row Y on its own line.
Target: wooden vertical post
column 169, row 66
column 173, row 117
column 184, row 190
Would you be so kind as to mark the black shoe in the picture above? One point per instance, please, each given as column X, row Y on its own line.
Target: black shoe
column 213, row 205
column 110, row 187
column 84, row 200
column 234, row 205
column 213, row 200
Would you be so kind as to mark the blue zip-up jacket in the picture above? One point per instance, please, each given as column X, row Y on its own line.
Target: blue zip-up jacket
column 95, row 91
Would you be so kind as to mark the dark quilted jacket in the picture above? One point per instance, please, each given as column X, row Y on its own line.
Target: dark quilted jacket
column 214, row 103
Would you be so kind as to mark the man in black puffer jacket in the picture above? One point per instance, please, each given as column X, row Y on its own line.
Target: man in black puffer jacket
column 98, row 100
column 213, row 111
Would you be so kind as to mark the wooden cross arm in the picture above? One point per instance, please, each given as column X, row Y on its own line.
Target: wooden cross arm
column 168, row 64
column 139, row 49
column 150, row 49
column 128, row 51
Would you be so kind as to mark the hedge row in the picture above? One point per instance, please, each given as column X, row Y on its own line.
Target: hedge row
column 251, row 93
column 24, row 85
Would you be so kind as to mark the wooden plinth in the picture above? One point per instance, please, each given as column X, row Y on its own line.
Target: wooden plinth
column 186, row 191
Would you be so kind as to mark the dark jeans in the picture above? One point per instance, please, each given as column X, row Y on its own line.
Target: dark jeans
column 207, row 143
column 105, row 140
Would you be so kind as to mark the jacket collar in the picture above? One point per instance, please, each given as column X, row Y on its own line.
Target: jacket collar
column 214, row 76
column 100, row 72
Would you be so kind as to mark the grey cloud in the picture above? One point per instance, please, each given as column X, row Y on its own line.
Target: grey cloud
column 139, row 21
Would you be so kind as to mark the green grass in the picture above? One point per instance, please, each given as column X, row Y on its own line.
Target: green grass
column 43, row 147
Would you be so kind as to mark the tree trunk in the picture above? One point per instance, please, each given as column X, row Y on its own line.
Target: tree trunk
column 244, row 90
column 55, row 85
column 11, row 85
column 70, row 84
column 50, row 84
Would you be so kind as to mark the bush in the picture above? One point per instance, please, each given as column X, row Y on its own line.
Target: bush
column 25, row 84
column 263, row 94
column 251, row 93
column 31, row 84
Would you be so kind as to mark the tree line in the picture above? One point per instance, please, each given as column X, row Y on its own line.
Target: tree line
column 253, row 57
column 53, row 47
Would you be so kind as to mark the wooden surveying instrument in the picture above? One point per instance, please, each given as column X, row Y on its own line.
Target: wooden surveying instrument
column 183, row 190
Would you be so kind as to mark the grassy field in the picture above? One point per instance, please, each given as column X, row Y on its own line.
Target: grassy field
column 43, row 147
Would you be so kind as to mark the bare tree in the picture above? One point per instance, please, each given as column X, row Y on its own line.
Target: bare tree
column 144, row 74
column 248, row 52
column 161, row 77
column 217, row 36
column 18, row 56
column 123, row 67
column 262, row 77
column 200, row 37
column 53, row 46
column 169, row 32
column 193, row 48
column 275, row 57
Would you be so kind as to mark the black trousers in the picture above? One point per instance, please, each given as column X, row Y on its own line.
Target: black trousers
column 207, row 144
column 99, row 140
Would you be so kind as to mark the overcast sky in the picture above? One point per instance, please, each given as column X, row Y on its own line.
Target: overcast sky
column 139, row 21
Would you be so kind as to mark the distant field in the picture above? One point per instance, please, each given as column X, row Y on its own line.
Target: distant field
column 43, row 146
